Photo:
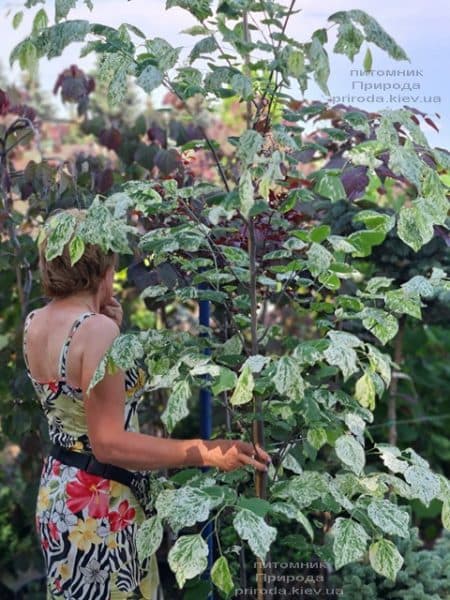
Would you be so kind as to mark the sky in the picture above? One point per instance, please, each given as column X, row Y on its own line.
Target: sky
column 421, row 28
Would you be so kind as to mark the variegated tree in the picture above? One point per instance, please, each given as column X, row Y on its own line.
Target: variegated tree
column 256, row 240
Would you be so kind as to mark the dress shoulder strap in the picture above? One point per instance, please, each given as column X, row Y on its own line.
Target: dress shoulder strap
column 24, row 339
column 62, row 367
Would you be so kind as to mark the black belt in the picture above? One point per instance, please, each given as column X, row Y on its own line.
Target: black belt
column 87, row 462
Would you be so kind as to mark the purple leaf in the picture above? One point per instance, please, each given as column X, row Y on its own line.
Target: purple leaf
column 355, row 181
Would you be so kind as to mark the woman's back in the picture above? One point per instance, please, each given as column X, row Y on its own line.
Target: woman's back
column 86, row 524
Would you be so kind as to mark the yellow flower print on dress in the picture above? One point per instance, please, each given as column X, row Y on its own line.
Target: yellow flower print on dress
column 85, row 533
column 43, row 499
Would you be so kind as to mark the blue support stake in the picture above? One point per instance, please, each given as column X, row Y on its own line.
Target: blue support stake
column 205, row 431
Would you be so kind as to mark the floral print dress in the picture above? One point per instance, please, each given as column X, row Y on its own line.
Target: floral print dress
column 87, row 525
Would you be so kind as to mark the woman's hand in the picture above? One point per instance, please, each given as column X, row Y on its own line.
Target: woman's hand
column 228, row 455
column 113, row 310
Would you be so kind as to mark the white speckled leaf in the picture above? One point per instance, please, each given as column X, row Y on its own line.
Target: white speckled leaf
column 425, row 484
column 149, row 537
column 243, row 392
column 389, row 517
column 350, row 541
column 184, row 507
column 385, row 559
column 176, row 408
column 351, row 453
column 188, row 557
column 255, row 531
column 391, row 457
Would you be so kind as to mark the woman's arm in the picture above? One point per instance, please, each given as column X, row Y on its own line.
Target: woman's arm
column 111, row 443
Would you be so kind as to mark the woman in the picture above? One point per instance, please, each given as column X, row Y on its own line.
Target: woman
column 87, row 522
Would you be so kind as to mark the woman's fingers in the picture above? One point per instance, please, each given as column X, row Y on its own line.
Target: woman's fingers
column 249, row 450
column 262, row 453
column 248, row 460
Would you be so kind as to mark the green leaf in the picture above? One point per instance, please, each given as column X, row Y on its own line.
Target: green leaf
column 318, row 58
column 62, row 8
column 149, row 79
column 61, row 228
column 246, row 193
column 257, row 505
column 380, row 362
column 367, row 64
column 319, row 259
column 28, row 59
column 340, row 352
column 40, row 21
column 176, row 408
column 383, row 325
column 317, row 437
column 98, row 374
column 76, row 249
column 113, row 72
column 350, row 541
column 221, row 575
column 385, row 559
column 363, row 241
column 402, row 302
column 250, row 143
column 201, row 9
column 349, row 40
column 17, row 19
column 149, row 537
column 59, row 36
column 373, row 31
column 125, row 350
column 206, row 46
column 255, row 531
column 303, row 489
column 291, row 463
column 271, row 174
column 377, row 283
column 310, row 352
column 188, row 557
column 403, row 160
column 295, row 63
column 226, row 380
column 374, row 220
column 165, row 54
column 243, row 391
column 329, row 185
column 286, row 374
column 414, row 227
column 351, row 453
column 320, row 233
column 389, row 518
column 242, row 85
column 365, row 391
column 445, row 516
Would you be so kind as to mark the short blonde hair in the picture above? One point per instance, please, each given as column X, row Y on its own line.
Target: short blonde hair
column 59, row 278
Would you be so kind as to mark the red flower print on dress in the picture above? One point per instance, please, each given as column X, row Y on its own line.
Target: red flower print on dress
column 122, row 517
column 56, row 467
column 54, row 533
column 91, row 491
column 53, row 386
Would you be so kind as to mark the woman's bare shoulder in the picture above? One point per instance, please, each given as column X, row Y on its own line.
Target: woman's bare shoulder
column 101, row 326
